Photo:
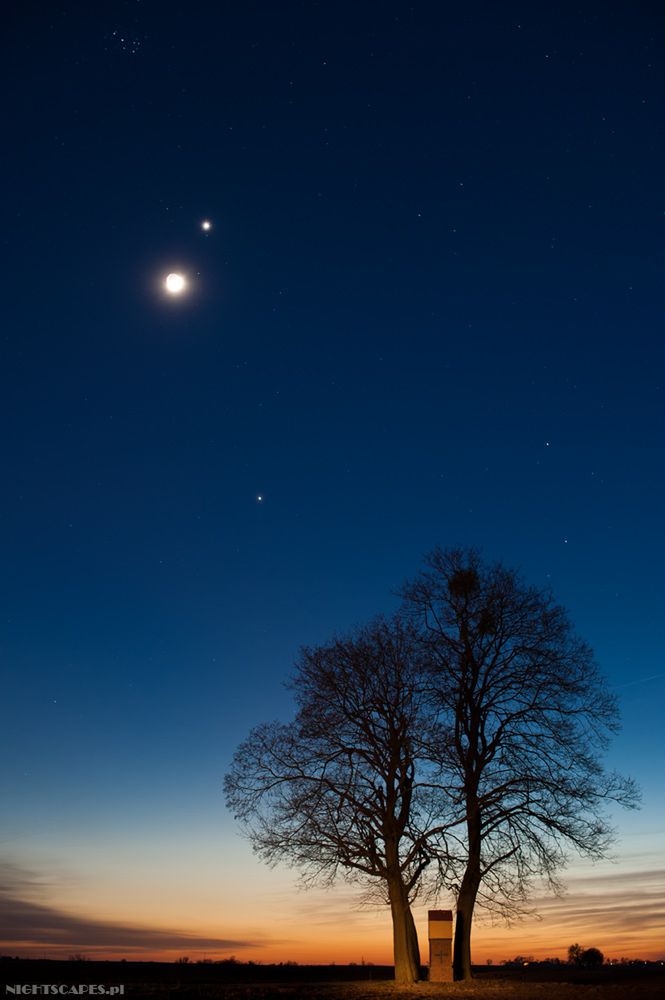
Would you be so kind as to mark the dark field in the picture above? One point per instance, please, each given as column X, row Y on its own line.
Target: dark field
column 287, row 982
column 265, row 982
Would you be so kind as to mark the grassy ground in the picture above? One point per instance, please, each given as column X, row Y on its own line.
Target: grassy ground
column 477, row 990
column 158, row 981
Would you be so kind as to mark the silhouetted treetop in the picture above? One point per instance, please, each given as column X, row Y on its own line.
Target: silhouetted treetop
column 454, row 747
column 523, row 715
column 342, row 788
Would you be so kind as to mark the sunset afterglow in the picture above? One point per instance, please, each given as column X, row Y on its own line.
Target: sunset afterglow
column 304, row 301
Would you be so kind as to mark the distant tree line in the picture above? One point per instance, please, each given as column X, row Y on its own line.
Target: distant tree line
column 585, row 958
column 581, row 958
column 453, row 748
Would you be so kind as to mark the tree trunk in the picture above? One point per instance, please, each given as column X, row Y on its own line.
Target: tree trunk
column 467, row 900
column 462, row 946
column 405, row 937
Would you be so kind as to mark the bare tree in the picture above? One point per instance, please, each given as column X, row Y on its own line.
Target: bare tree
column 592, row 958
column 338, row 789
column 524, row 716
column 575, row 953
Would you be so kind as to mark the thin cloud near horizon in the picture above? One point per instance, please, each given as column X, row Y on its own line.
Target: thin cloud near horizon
column 30, row 924
column 621, row 910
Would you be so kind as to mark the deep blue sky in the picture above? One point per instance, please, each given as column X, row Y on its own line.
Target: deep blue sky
column 430, row 311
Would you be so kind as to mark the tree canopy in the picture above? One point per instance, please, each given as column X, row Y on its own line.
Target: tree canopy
column 524, row 716
column 342, row 787
column 456, row 746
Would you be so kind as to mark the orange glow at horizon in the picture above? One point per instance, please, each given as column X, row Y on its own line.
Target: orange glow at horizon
column 157, row 904
column 372, row 945
column 318, row 955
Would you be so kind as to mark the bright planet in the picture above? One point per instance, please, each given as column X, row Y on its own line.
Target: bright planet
column 175, row 283
column 423, row 323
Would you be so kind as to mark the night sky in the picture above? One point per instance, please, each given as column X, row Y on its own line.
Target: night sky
column 429, row 311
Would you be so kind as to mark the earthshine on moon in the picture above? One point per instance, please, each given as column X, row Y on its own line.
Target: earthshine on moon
column 175, row 283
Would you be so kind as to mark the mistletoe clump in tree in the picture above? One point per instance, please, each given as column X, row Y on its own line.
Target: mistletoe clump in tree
column 523, row 718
